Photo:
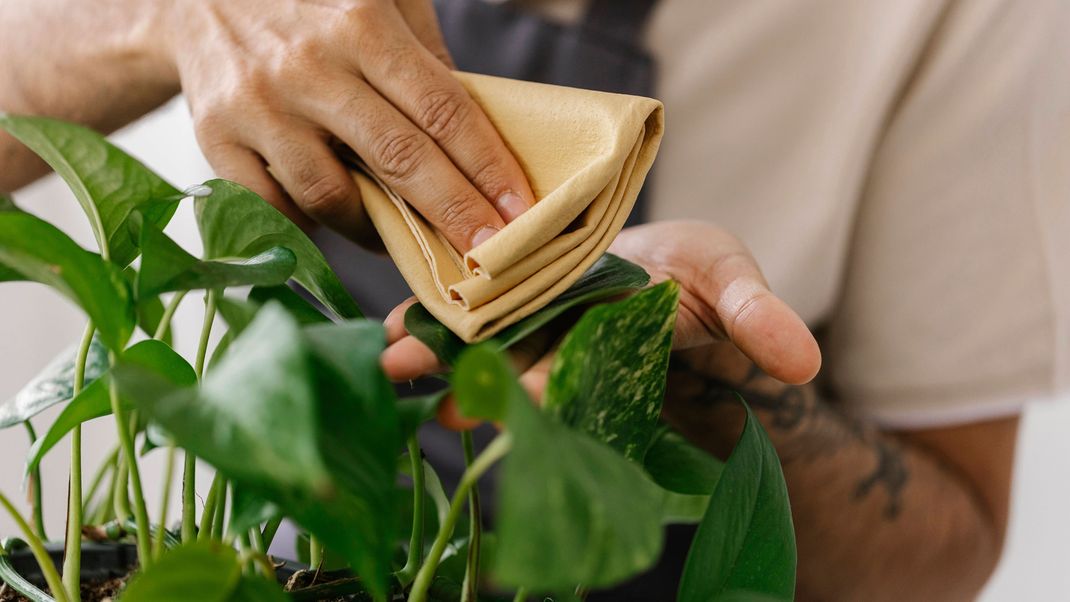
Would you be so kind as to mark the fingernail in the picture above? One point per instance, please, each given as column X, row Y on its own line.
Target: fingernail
column 484, row 233
column 510, row 205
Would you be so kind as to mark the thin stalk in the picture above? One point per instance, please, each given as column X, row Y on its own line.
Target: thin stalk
column 189, row 470
column 470, row 588
column 168, row 314
column 416, row 539
column 521, row 595
column 72, row 548
column 35, row 490
column 103, row 470
column 315, row 552
column 121, row 491
column 256, row 538
column 270, row 529
column 52, row 578
column 219, row 520
column 126, row 442
column 107, row 502
column 208, row 514
column 165, row 500
column 493, row 452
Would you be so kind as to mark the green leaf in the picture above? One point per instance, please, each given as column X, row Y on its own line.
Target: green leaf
column 745, row 545
column 53, row 384
column 304, row 312
column 108, row 183
column 571, row 510
column 608, row 377
column 249, row 510
column 413, row 412
column 608, row 277
column 482, row 385
column 680, row 467
column 235, row 222
column 305, row 420
column 42, row 253
column 680, row 509
column 205, row 570
column 149, row 310
column 253, row 588
column 95, row 402
column 165, row 267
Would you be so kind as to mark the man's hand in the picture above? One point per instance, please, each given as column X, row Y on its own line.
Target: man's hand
column 723, row 297
column 271, row 90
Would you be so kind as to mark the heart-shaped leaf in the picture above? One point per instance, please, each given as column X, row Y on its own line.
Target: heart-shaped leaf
column 745, row 545
column 108, row 183
column 236, row 223
column 303, row 311
column 207, row 571
column 608, row 277
column 680, row 467
column 571, row 509
column 53, row 385
column 304, row 420
column 166, row 266
column 42, row 253
column 95, row 402
column 608, row 377
column 482, row 385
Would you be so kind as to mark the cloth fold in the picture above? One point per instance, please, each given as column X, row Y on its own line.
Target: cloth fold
column 586, row 155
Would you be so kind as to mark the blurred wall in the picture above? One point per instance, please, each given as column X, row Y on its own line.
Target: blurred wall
column 35, row 324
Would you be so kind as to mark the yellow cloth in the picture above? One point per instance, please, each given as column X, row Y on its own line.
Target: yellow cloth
column 586, row 155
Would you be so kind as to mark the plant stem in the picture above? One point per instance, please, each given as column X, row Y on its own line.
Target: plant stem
column 208, row 514
column 48, row 569
column 72, row 549
column 168, row 314
column 497, row 448
column 219, row 519
column 521, row 595
column 270, row 529
column 315, row 553
column 165, row 500
column 98, row 479
column 121, row 490
column 416, row 539
column 35, row 493
column 126, row 442
column 470, row 588
column 189, row 470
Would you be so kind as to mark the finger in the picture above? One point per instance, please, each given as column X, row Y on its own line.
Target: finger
column 423, row 22
column 395, row 321
column 534, row 379
column 409, row 359
column 758, row 322
column 425, row 91
column 244, row 166
column 449, row 415
column 410, row 163
column 316, row 180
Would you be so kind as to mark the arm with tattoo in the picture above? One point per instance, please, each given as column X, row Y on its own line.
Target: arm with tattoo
column 878, row 515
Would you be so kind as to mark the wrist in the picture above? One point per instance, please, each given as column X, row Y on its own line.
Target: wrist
column 151, row 42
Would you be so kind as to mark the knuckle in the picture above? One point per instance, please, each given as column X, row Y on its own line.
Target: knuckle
column 455, row 215
column 442, row 114
column 322, row 194
column 399, row 153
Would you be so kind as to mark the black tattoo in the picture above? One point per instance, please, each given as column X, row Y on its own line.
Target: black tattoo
column 788, row 409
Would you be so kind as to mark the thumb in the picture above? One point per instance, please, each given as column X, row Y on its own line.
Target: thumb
column 758, row 322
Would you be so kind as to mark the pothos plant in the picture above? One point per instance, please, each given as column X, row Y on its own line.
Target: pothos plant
column 293, row 412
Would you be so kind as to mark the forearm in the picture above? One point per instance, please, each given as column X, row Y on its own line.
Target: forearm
column 876, row 516
column 98, row 63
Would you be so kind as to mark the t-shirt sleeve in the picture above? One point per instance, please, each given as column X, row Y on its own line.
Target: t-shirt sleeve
column 956, row 301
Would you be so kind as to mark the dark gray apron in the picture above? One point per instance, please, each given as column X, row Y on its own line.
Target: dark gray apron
column 603, row 51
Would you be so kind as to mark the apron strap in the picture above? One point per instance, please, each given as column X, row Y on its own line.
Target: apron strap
column 623, row 20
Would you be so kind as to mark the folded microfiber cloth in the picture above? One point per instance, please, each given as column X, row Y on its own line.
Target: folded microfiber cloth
column 586, row 155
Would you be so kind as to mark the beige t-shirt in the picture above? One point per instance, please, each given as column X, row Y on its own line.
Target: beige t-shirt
column 901, row 171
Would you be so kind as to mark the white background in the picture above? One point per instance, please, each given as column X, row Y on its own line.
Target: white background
column 35, row 324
